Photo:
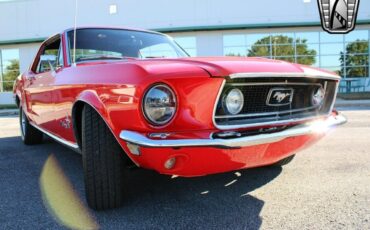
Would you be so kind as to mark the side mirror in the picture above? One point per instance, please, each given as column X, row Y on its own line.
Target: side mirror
column 48, row 62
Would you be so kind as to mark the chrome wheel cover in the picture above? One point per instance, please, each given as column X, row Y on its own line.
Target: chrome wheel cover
column 23, row 123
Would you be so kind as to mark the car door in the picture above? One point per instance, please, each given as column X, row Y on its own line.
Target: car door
column 40, row 85
column 63, row 96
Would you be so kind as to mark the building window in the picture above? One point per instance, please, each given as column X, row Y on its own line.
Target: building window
column 348, row 55
column 282, row 46
column 355, row 59
column 9, row 68
column 189, row 44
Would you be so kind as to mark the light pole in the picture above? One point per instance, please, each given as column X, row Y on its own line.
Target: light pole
column 75, row 35
column 274, row 43
column 1, row 72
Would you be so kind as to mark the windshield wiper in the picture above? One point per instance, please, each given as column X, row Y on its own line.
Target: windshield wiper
column 149, row 57
column 103, row 57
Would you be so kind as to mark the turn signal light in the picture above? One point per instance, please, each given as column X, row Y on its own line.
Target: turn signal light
column 170, row 163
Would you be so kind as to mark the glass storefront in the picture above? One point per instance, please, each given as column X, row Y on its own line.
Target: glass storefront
column 348, row 55
column 9, row 68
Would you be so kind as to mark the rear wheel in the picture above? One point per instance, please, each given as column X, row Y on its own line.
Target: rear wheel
column 103, row 163
column 284, row 161
column 30, row 135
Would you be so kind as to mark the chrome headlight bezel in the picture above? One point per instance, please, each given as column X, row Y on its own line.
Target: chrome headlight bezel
column 231, row 95
column 169, row 106
column 318, row 96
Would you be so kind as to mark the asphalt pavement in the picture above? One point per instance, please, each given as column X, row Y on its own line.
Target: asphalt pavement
column 325, row 187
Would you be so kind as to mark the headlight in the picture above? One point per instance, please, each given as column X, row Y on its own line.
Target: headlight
column 159, row 105
column 318, row 96
column 234, row 101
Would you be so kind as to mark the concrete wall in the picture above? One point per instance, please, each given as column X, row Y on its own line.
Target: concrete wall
column 208, row 43
column 35, row 19
column 6, row 98
column 24, row 19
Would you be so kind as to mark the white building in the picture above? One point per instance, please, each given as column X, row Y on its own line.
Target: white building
column 202, row 27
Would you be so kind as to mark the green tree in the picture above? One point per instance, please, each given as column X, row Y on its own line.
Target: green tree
column 357, row 59
column 283, row 46
column 11, row 72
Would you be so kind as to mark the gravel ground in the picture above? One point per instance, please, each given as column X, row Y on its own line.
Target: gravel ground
column 326, row 187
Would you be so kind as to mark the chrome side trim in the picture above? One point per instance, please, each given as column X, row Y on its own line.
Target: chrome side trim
column 311, row 74
column 319, row 126
column 58, row 139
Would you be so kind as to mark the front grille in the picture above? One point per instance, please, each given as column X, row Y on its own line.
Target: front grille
column 260, row 107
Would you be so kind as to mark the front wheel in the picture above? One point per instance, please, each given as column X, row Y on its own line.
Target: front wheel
column 30, row 135
column 103, row 163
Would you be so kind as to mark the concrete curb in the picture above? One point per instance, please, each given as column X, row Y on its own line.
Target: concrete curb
column 8, row 112
column 352, row 103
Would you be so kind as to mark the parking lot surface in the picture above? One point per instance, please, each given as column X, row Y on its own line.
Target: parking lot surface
column 326, row 187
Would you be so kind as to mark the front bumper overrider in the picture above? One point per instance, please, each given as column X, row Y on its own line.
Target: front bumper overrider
column 318, row 126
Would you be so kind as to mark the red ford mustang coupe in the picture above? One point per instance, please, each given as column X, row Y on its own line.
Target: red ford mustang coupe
column 124, row 97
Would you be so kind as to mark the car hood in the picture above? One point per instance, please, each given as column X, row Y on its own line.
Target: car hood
column 229, row 66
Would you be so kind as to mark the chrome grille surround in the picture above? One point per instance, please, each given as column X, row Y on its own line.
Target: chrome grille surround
column 282, row 117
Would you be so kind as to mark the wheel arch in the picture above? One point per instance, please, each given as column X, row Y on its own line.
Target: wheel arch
column 76, row 119
column 86, row 98
column 17, row 101
column 90, row 98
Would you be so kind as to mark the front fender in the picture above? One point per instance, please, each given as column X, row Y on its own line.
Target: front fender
column 92, row 99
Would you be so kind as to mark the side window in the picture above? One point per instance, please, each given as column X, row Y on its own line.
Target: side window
column 60, row 62
column 49, row 59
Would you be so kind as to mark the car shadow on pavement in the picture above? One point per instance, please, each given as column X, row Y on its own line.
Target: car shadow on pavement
column 154, row 201
column 211, row 202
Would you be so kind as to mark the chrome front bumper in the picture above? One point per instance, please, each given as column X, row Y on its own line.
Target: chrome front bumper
column 299, row 130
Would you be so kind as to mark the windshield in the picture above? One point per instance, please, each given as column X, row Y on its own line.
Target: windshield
column 113, row 44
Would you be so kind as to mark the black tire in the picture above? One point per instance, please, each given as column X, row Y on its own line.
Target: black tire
column 284, row 161
column 30, row 135
column 103, row 163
